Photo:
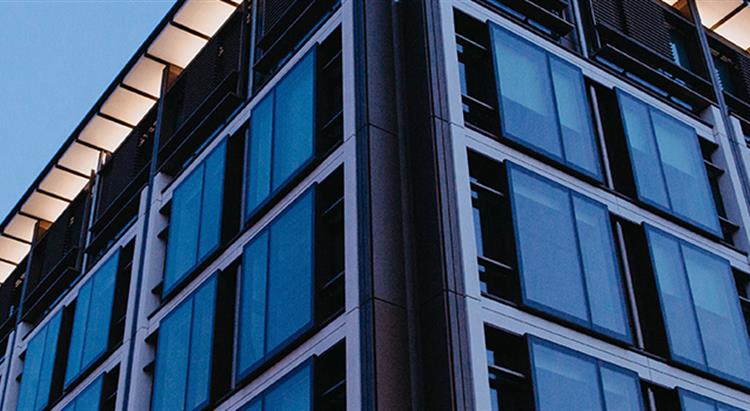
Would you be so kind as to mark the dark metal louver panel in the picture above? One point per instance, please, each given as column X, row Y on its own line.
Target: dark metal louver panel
column 643, row 20
column 744, row 63
column 273, row 11
column 217, row 61
column 127, row 165
column 609, row 11
column 63, row 240
column 10, row 294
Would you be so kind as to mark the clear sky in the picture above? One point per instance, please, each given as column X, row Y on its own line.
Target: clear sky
column 56, row 59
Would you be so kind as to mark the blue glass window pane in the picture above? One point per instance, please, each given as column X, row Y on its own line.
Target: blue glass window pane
column 561, row 379
column 293, row 393
column 290, row 276
column 48, row 362
column 527, row 107
column 201, row 341
column 170, row 379
column 39, row 365
column 294, row 125
column 213, row 198
column 100, row 313
column 478, row 237
column 31, row 370
column 252, row 333
column 195, row 226
column 253, row 406
column 719, row 316
column 183, row 355
column 622, row 391
column 677, row 307
column 600, row 267
column 684, row 172
column 547, row 245
column 260, row 137
column 643, row 151
column 692, row 402
column 78, row 334
column 579, row 144
column 89, row 399
column 91, row 323
column 182, row 247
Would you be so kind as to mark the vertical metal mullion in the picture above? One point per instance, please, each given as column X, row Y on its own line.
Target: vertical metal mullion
column 578, row 20
column 596, row 112
column 19, row 311
column 629, row 286
column 723, row 108
column 153, row 170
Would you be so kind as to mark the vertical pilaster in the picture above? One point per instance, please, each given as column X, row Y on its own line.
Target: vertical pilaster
column 438, row 303
column 384, row 321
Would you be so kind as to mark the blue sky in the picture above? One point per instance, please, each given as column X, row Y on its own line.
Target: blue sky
column 56, row 59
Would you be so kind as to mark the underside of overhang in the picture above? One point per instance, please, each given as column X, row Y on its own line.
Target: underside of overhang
column 176, row 41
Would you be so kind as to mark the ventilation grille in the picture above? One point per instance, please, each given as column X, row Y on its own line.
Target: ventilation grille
column 744, row 61
column 273, row 11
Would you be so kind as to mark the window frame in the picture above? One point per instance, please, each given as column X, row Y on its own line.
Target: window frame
column 718, row 405
column 180, row 279
column 707, row 368
column 190, row 299
column 598, row 363
column 670, row 210
column 83, row 367
column 560, row 159
column 510, row 168
column 261, row 397
column 72, row 405
column 250, row 369
column 249, row 214
column 56, row 322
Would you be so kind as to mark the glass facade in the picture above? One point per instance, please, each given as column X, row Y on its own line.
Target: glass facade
column 307, row 218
